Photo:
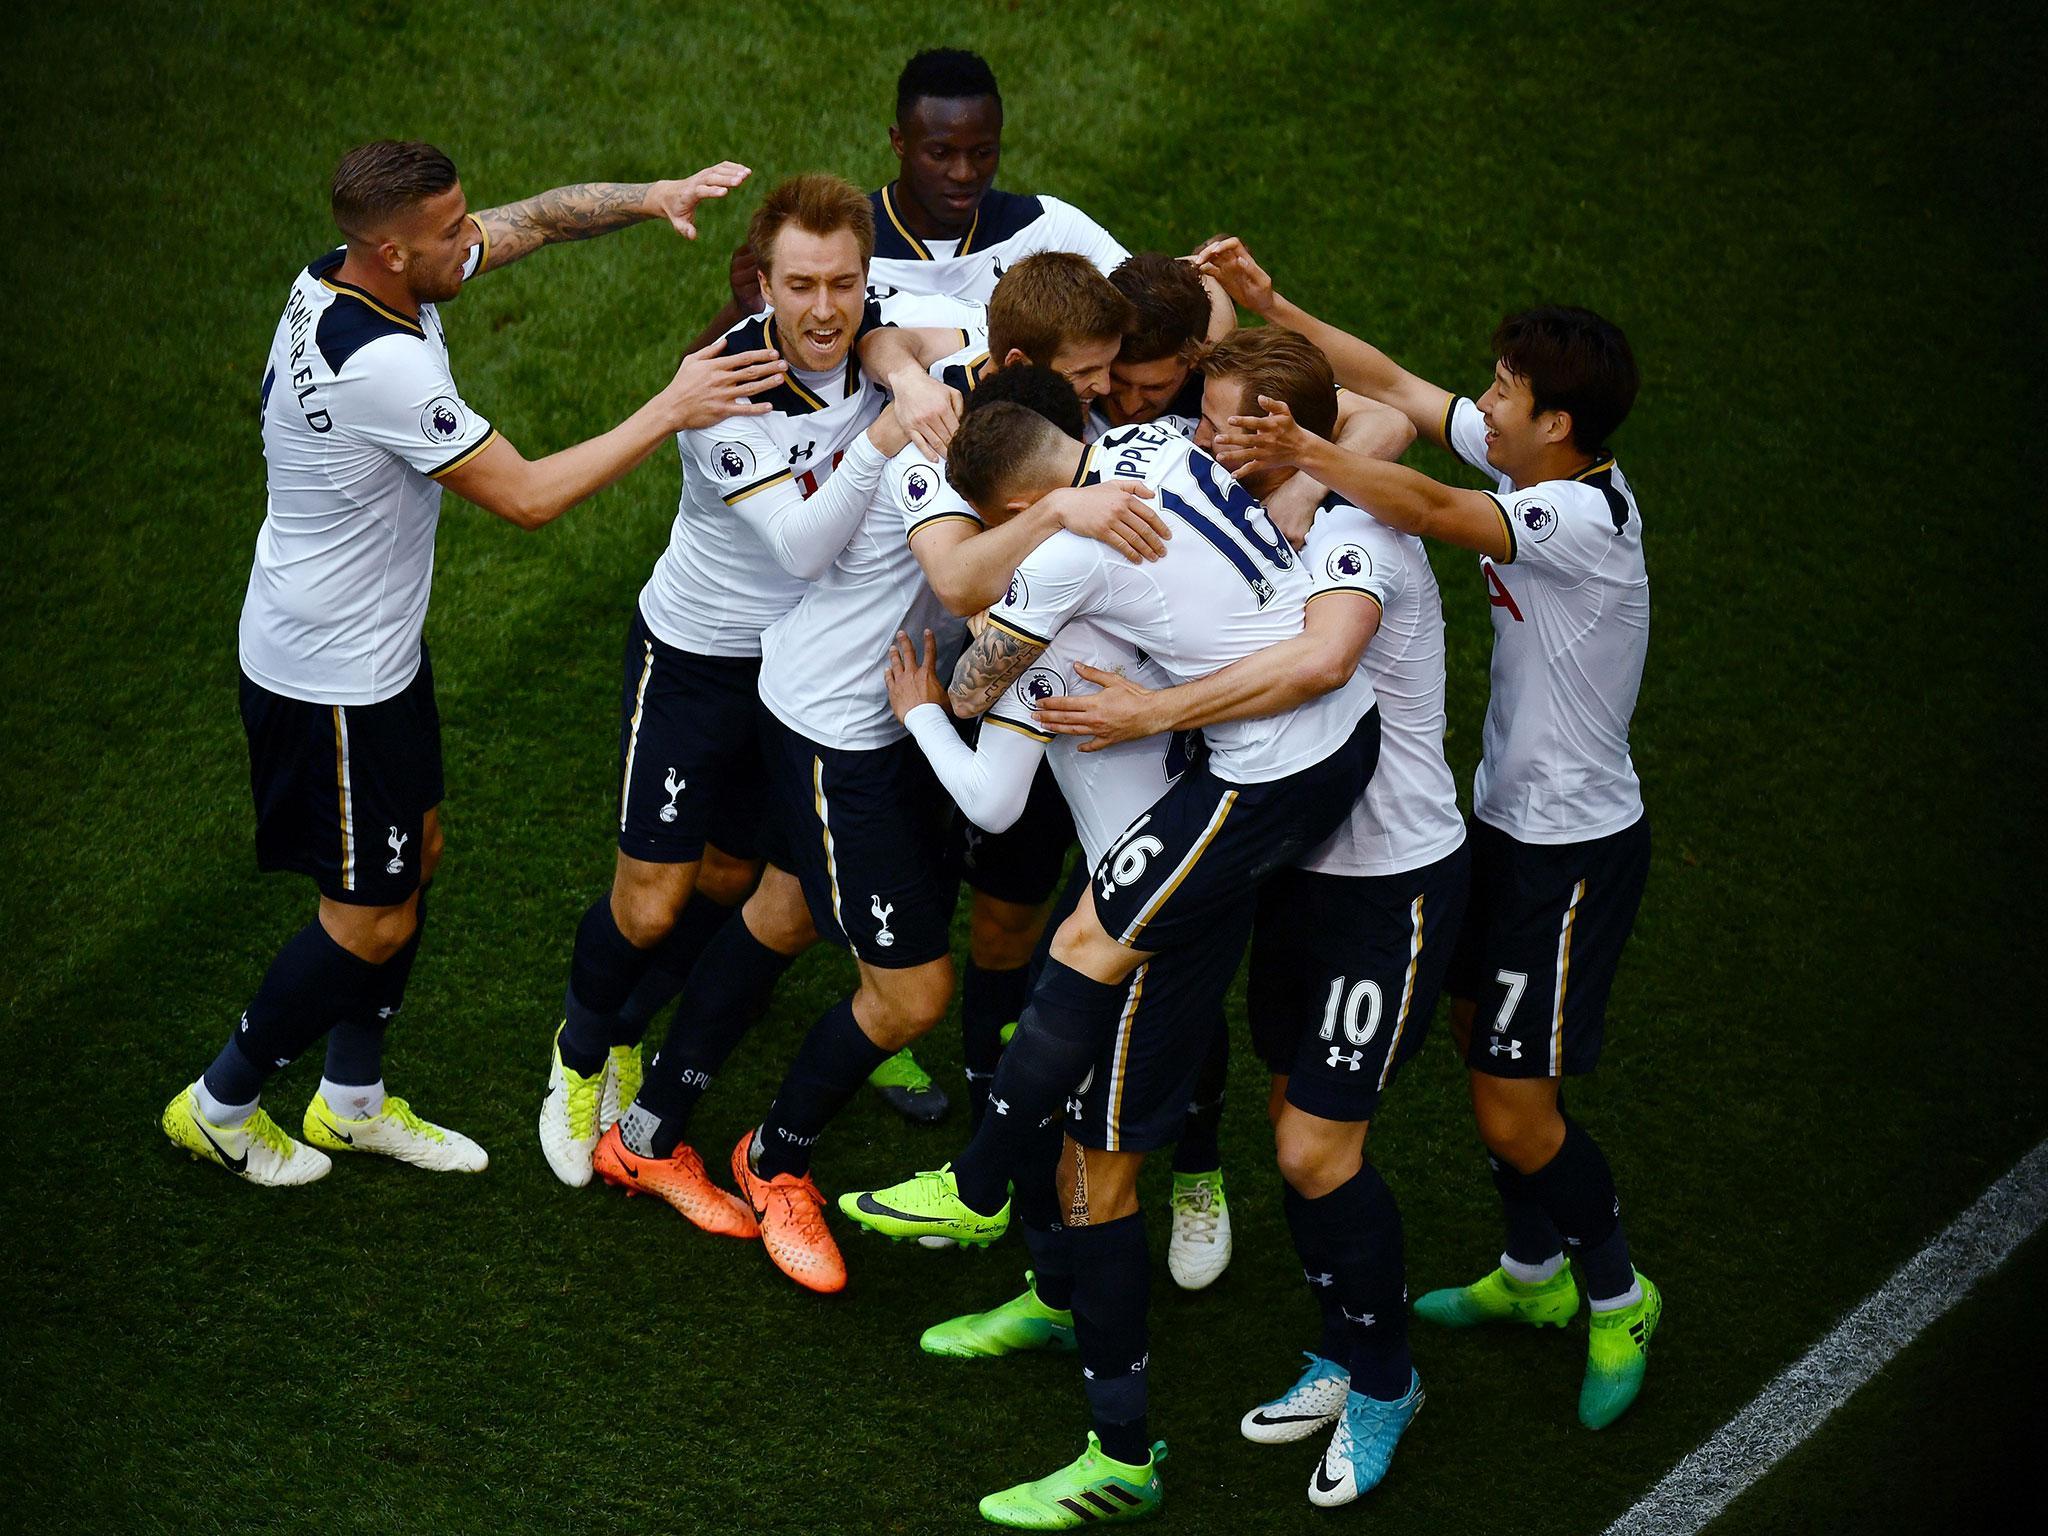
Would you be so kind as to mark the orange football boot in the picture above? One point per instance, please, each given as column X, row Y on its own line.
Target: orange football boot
column 791, row 1212
column 680, row 1180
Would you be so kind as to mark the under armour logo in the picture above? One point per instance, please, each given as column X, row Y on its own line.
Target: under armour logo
column 1087, row 1373
column 385, row 1013
column 1362, row 1319
column 1000, row 1106
column 881, row 914
column 675, row 786
column 395, row 865
column 799, row 452
column 1513, row 1048
column 1322, row 1279
column 1341, row 1058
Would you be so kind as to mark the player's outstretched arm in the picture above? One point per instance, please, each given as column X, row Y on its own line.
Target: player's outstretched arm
column 1403, row 499
column 1270, row 681
column 707, row 388
column 1363, row 426
column 593, row 208
column 969, row 568
column 1358, row 364
column 996, row 659
column 990, row 783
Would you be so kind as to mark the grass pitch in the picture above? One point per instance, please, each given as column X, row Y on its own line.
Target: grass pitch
column 1812, row 223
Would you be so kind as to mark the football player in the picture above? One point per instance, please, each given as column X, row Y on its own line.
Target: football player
column 1560, row 843
column 362, row 427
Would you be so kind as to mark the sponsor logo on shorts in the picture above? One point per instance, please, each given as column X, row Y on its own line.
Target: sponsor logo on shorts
column 1350, row 1060
column 1503, row 1046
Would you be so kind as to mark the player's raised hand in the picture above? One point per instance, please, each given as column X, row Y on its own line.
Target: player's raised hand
column 928, row 410
column 710, row 386
column 1226, row 259
column 1272, row 441
column 677, row 201
column 1121, row 711
column 913, row 681
column 743, row 276
column 1114, row 513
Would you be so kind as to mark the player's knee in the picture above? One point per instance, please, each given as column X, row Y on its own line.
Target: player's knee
column 725, row 879
column 372, row 934
column 1315, row 1159
column 646, row 898
column 1001, row 935
column 898, row 1007
column 1521, row 1131
column 1112, row 1184
column 777, row 915
column 1082, row 945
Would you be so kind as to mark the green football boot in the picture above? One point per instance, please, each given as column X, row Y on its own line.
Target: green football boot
column 1090, row 1490
column 909, row 1089
column 1021, row 1323
column 1617, row 1354
column 1500, row 1298
column 925, row 1205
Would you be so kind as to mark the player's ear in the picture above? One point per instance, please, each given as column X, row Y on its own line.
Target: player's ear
column 390, row 256
column 1559, row 428
column 896, row 140
column 1015, row 356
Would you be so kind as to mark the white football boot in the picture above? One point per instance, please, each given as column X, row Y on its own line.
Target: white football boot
column 1199, row 1250
column 568, row 1118
column 1313, row 1403
column 395, row 1131
column 257, row 1150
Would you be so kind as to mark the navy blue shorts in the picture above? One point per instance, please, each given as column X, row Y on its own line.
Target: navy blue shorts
column 1542, row 940
column 1345, row 975
column 690, row 769
column 1191, row 866
column 342, row 791
column 863, row 834
column 1024, row 864
column 1137, row 1092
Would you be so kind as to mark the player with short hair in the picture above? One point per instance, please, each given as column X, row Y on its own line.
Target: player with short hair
column 1154, row 377
column 1181, row 879
column 766, row 506
column 1350, row 945
column 1560, row 843
column 362, row 427
column 854, row 852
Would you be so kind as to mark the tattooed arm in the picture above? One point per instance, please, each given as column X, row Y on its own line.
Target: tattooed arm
column 995, row 660
column 597, row 208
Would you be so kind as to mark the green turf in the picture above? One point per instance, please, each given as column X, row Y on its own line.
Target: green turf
column 1814, row 223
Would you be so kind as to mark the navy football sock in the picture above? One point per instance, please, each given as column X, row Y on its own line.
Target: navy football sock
column 988, row 1001
column 1532, row 1239
column 355, row 1046
column 603, row 971
column 1199, row 1149
column 1576, row 1188
column 667, row 973
column 1036, row 1187
column 1360, row 1228
column 834, row 1060
column 1052, row 1267
column 1064, row 1025
column 311, row 983
column 1112, row 1290
column 1319, row 1269
column 734, row 972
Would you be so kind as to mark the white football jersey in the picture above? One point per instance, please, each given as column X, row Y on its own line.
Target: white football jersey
column 359, row 415
column 1228, row 585
column 1408, row 816
column 1571, row 628
column 718, row 585
column 1109, row 789
column 1006, row 228
column 821, row 663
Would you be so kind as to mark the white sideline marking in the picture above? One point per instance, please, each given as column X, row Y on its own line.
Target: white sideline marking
column 1797, row 1403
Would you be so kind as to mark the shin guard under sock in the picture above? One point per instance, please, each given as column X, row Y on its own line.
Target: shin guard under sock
column 989, row 1000
column 834, row 1060
column 312, row 983
column 1112, row 1291
column 1319, row 1269
column 603, row 971
column 1576, row 1189
column 717, row 1010
column 1064, row 1025
column 1052, row 1267
column 1532, row 1240
column 355, row 1046
column 1359, row 1227
column 669, row 971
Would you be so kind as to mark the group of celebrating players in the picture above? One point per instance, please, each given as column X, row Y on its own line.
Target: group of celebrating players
column 993, row 538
